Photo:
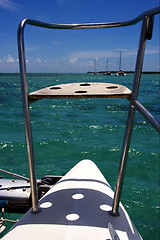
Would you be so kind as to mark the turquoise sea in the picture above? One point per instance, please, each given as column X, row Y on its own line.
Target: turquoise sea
column 67, row 131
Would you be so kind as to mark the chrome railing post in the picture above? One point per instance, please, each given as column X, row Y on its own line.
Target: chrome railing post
column 140, row 56
column 28, row 132
column 130, row 120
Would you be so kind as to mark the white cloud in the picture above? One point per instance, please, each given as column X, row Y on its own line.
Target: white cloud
column 81, row 61
column 128, row 52
column 55, row 43
column 9, row 59
column 152, row 51
column 38, row 60
column 9, row 64
column 90, row 63
column 94, row 54
column 73, row 60
column 31, row 49
column 8, row 5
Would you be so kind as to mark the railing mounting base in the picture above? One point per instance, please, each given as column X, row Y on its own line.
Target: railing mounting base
column 114, row 214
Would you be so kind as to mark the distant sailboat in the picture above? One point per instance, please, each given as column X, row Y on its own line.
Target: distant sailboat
column 95, row 73
column 107, row 72
column 120, row 72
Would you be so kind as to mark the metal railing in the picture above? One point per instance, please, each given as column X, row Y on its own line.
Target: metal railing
column 146, row 33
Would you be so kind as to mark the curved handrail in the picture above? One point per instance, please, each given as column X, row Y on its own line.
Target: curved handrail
column 146, row 33
column 136, row 20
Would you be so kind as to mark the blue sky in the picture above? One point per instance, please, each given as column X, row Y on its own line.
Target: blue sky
column 70, row 50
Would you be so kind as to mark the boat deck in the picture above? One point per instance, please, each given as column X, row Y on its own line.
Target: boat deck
column 76, row 208
column 82, row 90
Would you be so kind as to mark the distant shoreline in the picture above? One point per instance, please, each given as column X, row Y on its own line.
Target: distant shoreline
column 143, row 72
column 100, row 72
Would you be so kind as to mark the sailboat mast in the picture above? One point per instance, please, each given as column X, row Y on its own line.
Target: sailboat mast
column 120, row 61
column 94, row 65
column 95, row 73
column 107, row 65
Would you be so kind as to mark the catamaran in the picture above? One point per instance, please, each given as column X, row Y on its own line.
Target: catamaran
column 95, row 65
column 107, row 72
column 81, row 204
column 120, row 72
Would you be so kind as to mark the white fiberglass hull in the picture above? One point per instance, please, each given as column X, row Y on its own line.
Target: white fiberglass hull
column 75, row 208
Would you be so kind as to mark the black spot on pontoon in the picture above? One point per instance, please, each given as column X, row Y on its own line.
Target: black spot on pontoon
column 85, row 84
column 81, row 92
column 55, row 88
column 112, row 87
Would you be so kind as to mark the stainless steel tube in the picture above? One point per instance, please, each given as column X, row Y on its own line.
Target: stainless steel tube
column 130, row 120
column 136, row 20
column 139, row 62
column 15, row 175
column 123, row 161
column 26, row 113
column 146, row 114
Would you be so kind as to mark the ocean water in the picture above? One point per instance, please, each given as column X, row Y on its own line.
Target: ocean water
column 67, row 131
